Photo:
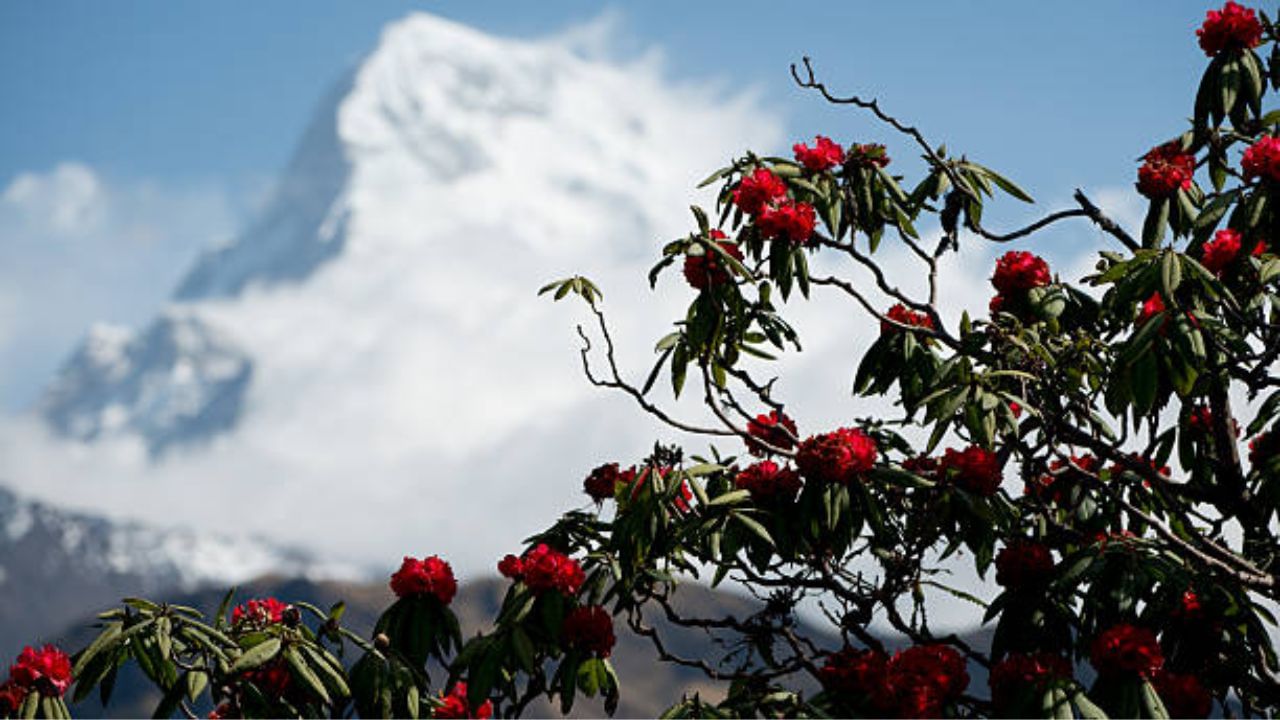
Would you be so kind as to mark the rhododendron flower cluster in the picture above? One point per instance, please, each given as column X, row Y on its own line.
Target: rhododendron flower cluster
column 920, row 681
column 776, row 429
column 1020, row 671
column 1221, row 251
column 1126, row 648
column 637, row 479
column 870, row 154
column 1018, row 271
column 824, row 154
column 974, row 469
column 1263, row 448
column 1231, row 28
column 589, row 629
column 1182, row 694
column 1166, row 169
column 916, row 683
column 899, row 313
column 769, row 483
column 604, row 480
column 922, row 465
column 708, row 269
column 1150, row 308
column 839, row 457
column 758, row 191
column 272, row 679
column 789, row 219
column 47, row 671
column 1200, row 420
column 258, row 612
column 428, row 576
column 454, row 705
column 11, row 697
column 858, row 673
column 1023, row 563
column 1054, row 486
column 1262, row 160
column 544, row 568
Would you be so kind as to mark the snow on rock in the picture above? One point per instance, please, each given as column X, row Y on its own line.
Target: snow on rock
column 180, row 380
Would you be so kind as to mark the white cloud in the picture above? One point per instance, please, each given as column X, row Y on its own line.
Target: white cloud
column 413, row 396
column 78, row 248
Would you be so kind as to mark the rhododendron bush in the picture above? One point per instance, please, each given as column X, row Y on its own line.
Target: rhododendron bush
column 1104, row 451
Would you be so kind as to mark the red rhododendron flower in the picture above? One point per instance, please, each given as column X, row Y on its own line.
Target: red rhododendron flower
column 921, row 465
column 1221, row 251
column 590, row 629
column 997, row 304
column 1022, row 563
column 1231, row 28
column 1015, row 408
column 1182, row 694
column 258, row 612
column 1262, row 159
column 901, row 314
column 776, row 429
column 11, row 696
column 1151, row 307
column 857, row 673
column 1018, row 271
column 709, row 269
column 1019, row 671
column 758, row 190
column 455, row 705
column 273, row 679
column 868, row 155
column 1200, row 420
column 601, row 483
column 1188, row 608
column 1260, row 248
column 789, row 219
column 769, row 483
column 824, row 154
column 836, row 457
column 544, row 568
column 1166, row 169
column 428, row 576
column 975, row 469
column 921, row 680
column 47, row 670
column 637, row 481
column 1263, row 448
column 1055, row 486
column 1126, row 648
column 511, row 567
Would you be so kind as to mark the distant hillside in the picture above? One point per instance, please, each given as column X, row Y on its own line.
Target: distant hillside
column 648, row 686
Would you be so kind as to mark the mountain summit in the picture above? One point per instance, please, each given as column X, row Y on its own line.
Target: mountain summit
column 373, row 338
column 442, row 180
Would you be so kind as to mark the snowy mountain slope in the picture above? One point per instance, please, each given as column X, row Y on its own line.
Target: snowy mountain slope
column 398, row 377
column 178, row 381
column 448, row 176
column 57, row 565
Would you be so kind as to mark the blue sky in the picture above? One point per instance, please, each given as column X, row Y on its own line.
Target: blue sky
column 180, row 114
column 1058, row 93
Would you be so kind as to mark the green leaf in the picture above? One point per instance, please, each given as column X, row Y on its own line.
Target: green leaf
column 256, row 655
column 1088, row 710
column 106, row 640
column 754, row 526
column 1151, row 703
column 1229, row 85
column 1156, row 222
column 1170, row 273
column 732, row 497
column 303, row 672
